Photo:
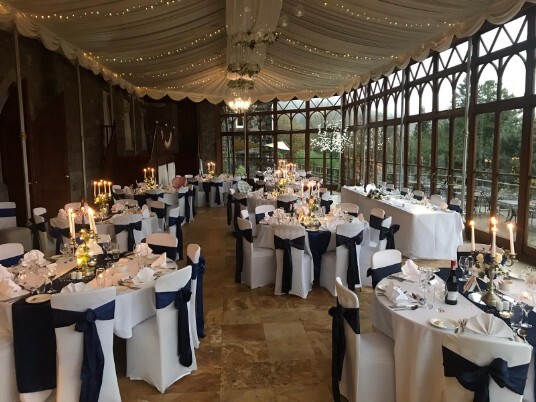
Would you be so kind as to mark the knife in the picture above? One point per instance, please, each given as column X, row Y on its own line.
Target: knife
column 398, row 278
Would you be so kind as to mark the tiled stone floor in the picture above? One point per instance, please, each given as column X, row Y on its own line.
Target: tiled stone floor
column 259, row 347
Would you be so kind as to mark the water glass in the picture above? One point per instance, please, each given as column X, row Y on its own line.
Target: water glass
column 114, row 249
column 466, row 264
column 100, row 277
column 517, row 316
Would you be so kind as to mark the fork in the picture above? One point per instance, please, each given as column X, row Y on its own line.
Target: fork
column 463, row 323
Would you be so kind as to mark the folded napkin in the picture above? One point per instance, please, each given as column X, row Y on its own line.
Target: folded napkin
column 396, row 295
column 330, row 225
column 62, row 214
column 160, row 261
column 4, row 273
column 143, row 249
column 118, row 207
column 302, row 210
column 75, row 287
column 95, row 249
column 488, row 324
column 8, row 287
column 361, row 218
column 127, row 190
column 443, row 206
column 144, row 276
column 34, row 280
column 410, row 268
column 145, row 213
column 35, row 257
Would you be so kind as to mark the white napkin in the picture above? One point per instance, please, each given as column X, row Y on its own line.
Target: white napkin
column 8, row 287
column 4, row 273
column 145, row 213
column 330, row 225
column 118, row 207
column 35, row 257
column 396, row 295
column 144, row 276
column 361, row 218
column 75, row 287
column 488, row 324
column 143, row 249
column 95, row 249
column 127, row 190
column 443, row 206
column 410, row 268
column 160, row 261
column 62, row 214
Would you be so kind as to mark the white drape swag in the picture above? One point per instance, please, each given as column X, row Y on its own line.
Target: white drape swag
column 180, row 49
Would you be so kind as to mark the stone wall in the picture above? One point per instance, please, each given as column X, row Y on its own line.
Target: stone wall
column 208, row 116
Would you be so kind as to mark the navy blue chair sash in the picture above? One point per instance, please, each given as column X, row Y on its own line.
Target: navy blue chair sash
column 338, row 342
column 93, row 359
column 229, row 208
column 58, row 234
column 192, row 191
column 155, row 197
column 178, row 233
column 241, row 234
column 36, row 228
column 130, row 228
column 217, row 184
column 286, row 245
column 403, row 193
column 187, row 205
column 353, row 214
column 180, row 298
column 206, row 189
column 10, row 261
column 8, row 212
column 417, row 197
column 117, row 196
column 141, row 199
column 476, row 378
column 171, row 252
column 257, row 186
column 375, row 222
column 389, row 234
column 260, row 217
column 160, row 212
column 352, row 273
column 198, row 270
column 318, row 242
column 456, row 208
column 259, row 176
column 326, row 204
column 287, row 206
column 379, row 273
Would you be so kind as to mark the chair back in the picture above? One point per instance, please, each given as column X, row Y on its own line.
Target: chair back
column 297, row 256
column 60, row 223
column 193, row 251
column 385, row 263
column 436, row 199
column 418, row 194
column 286, row 200
column 46, row 242
column 263, row 210
column 8, row 215
column 159, row 208
column 350, row 208
column 244, row 214
column 72, row 205
column 122, row 237
column 163, row 242
column 182, row 194
column 155, row 193
column 377, row 213
column 11, row 253
column 343, row 253
column 482, row 350
column 390, row 187
column 404, row 190
column 70, row 346
column 127, row 202
column 455, row 204
column 171, row 198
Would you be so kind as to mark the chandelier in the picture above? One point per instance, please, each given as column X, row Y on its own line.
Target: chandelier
column 240, row 105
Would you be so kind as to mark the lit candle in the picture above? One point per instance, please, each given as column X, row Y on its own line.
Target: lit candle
column 472, row 224
column 71, row 222
column 94, row 189
column 493, row 241
column 110, row 188
column 98, row 185
column 511, row 229
column 152, row 173
column 144, row 173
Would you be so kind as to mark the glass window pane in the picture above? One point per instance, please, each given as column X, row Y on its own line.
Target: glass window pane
column 298, row 150
column 482, row 201
column 426, row 143
column 413, row 143
column 510, row 141
column 459, row 130
column 389, row 146
column 442, row 156
column 485, row 128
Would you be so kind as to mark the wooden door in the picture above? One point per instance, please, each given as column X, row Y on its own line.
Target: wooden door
column 48, row 159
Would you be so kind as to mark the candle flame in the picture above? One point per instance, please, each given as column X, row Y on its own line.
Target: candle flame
column 472, row 223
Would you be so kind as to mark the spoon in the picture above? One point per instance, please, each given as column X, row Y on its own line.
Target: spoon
column 522, row 333
column 401, row 308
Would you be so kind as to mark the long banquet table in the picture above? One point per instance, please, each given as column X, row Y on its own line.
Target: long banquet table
column 418, row 357
column 424, row 233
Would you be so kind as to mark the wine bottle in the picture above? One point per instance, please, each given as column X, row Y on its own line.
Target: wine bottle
column 451, row 286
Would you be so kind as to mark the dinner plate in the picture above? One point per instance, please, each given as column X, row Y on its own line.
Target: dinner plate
column 444, row 323
column 38, row 298
column 56, row 257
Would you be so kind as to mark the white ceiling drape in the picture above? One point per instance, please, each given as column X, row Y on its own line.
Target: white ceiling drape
column 181, row 48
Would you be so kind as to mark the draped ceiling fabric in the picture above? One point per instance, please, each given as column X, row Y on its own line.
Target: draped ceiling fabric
column 180, row 48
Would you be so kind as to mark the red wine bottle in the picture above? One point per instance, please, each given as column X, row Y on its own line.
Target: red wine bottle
column 451, row 286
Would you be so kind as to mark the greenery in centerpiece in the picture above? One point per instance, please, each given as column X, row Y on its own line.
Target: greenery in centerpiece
column 485, row 262
column 150, row 182
column 101, row 203
column 375, row 194
column 85, row 259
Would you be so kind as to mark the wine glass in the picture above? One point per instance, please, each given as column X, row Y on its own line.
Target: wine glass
column 106, row 247
column 527, row 308
column 517, row 316
column 114, row 249
column 51, row 274
column 465, row 265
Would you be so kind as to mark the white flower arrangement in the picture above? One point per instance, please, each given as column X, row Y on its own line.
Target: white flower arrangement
column 332, row 137
column 243, row 69
column 252, row 39
column 241, row 84
column 485, row 262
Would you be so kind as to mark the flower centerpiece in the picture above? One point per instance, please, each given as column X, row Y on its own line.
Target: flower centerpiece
column 489, row 265
column 150, row 182
column 375, row 194
column 85, row 251
column 101, row 203
column 251, row 39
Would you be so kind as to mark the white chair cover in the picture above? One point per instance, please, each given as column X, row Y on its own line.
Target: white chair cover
column 193, row 252
column 259, row 264
column 404, row 190
column 159, row 208
column 182, row 201
column 9, row 232
column 152, row 353
column 418, row 194
column 213, row 190
column 390, row 187
column 122, row 238
column 368, row 372
column 9, row 220
column 61, row 224
column 46, row 242
column 335, row 263
column 375, row 233
column 349, row 207
column 481, row 350
column 11, row 250
column 8, row 381
column 302, row 263
column 70, row 346
column 261, row 209
column 385, row 258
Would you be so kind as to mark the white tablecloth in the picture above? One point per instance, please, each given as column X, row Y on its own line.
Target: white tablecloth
column 424, row 233
column 418, row 353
